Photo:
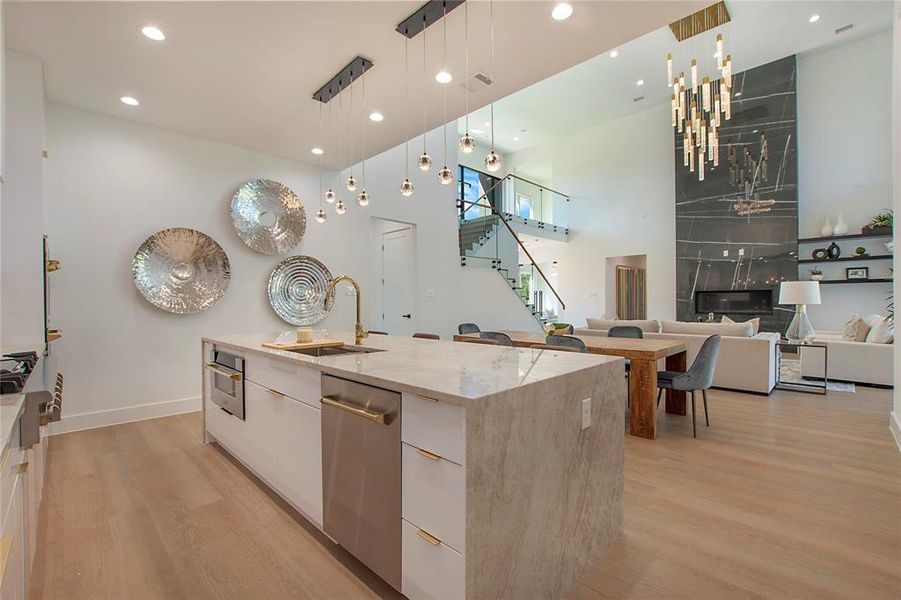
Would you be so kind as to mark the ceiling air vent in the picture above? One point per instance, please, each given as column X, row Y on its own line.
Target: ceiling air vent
column 844, row 29
column 477, row 82
column 637, row 98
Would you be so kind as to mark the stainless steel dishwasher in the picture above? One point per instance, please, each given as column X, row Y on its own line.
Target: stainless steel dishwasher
column 361, row 473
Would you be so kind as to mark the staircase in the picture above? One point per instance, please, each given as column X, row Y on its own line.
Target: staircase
column 489, row 242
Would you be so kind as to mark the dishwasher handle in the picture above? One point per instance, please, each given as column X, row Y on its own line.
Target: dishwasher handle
column 377, row 417
column 234, row 376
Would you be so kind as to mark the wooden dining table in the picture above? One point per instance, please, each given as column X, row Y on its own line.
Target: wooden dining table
column 643, row 354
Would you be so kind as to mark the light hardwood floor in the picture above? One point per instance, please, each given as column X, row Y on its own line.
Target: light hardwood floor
column 793, row 495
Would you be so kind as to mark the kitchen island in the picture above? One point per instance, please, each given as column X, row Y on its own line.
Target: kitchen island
column 505, row 478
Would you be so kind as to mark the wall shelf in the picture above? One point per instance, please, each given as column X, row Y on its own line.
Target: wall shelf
column 850, row 236
column 855, row 281
column 806, row 261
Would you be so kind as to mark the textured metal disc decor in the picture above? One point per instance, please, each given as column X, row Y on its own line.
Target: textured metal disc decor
column 268, row 216
column 181, row 271
column 297, row 289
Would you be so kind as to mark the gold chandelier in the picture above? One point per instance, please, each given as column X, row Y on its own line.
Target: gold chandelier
column 699, row 105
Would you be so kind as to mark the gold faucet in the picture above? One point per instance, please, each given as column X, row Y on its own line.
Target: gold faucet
column 359, row 333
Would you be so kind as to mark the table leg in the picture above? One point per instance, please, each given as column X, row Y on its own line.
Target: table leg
column 643, row 388
column 675, row 400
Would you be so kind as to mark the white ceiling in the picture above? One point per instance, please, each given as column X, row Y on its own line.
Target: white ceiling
column 602, row 88
column 244, row 72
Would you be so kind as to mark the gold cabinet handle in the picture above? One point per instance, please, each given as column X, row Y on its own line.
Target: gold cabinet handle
column 381, row 418
column 427, row 454
column 215, row 369
column 274, row 393
column 53, row 335
column 428, row 537
column 53, row 265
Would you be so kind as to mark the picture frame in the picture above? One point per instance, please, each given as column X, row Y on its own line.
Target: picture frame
column 857, row 273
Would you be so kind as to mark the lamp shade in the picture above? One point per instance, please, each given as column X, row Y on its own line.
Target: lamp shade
column 799, row 292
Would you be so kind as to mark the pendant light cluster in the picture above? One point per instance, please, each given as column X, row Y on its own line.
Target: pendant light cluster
column 698, row 106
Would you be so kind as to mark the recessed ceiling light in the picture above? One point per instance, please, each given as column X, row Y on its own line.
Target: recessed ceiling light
column 813, row 18
column 443, row 77
column 153, row 33
column 129, row 100
column 639, row 82
column 487, row 123
column 614, row 53
column 515, row 139
column 377, row 117
column 317, row 151
column 562, row 11
column 477, row 131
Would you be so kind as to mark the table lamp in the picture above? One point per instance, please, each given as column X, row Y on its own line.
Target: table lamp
column 800, row 293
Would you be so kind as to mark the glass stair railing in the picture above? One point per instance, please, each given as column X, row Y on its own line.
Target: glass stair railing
column 488, row 241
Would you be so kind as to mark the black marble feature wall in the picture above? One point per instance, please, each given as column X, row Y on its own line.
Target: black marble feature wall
column 738, row 229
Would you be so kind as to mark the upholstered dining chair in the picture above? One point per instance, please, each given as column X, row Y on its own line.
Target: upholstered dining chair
column 552, row 347
column 426, row 336
column 501, row 338
column 376, row 332
column 565, row 340
column 487, row 342
column 464, row 328
column 626, row 331
column 699, row 376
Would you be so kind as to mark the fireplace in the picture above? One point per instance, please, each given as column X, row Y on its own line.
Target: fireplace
column 734, row 302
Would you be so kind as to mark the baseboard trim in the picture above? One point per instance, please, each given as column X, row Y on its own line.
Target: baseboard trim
column 117, row 416
column 895, row 426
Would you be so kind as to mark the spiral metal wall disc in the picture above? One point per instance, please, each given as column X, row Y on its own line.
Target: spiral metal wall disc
column 181, row 271
column 297, row 289
column 268, row 216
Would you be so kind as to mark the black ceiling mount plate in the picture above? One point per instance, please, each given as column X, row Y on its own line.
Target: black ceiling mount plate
column 426, row 15
column 342, row 79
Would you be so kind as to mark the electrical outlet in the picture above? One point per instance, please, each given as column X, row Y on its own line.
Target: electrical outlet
column 741, row 251
column 586, row 413
column 725, row 253
column 429, row 293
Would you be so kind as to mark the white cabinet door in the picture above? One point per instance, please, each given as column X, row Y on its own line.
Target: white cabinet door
column 300, row 457
column 260, row 431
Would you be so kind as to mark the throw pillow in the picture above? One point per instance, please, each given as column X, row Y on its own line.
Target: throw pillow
column 881, row 333
column 855, row 330
column 755, row 323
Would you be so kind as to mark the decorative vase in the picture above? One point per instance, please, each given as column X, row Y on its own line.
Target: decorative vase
column 826, row 231
column 833, row 251
column 840, row 228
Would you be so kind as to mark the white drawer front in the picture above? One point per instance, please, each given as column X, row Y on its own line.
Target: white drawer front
column 434, row 496
column 434, row 426
column 227, row 429
column 285, row 376
column 430, row 571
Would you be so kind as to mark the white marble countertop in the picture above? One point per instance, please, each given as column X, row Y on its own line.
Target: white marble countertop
column 453, row 371
column 10, row 408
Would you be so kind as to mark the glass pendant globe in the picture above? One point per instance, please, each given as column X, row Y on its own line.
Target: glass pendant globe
column 425, row 162
column 406, row 188
column 340, row 208
column 351, row 183
column 320, row 216
column 445, row 176
column 363, row 198
column 493, row 161
column 330, row 196
column 467, row 143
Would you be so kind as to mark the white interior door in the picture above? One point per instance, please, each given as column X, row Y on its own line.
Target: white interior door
column 398, row 272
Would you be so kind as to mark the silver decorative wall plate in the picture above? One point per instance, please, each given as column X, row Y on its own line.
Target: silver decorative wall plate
column 268, row 216
column 181, row 270
column 297, row 289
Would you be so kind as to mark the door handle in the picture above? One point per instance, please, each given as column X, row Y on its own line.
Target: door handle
column 407, row 316
column 215, row 369
column 381, row 418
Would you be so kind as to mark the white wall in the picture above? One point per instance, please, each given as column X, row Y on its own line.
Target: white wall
column 845, row 163
column 896, row 175
column 21, row 300
column 620, row 178
column 110, row 184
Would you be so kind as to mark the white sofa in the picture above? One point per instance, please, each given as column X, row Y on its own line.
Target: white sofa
column 858, row 362
column 746, row 361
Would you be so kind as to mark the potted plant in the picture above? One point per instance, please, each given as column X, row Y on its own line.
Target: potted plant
column 860, row 251
column 881, row 223
column 816, row 274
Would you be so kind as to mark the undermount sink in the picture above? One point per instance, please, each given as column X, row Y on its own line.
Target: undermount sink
column 335, row 350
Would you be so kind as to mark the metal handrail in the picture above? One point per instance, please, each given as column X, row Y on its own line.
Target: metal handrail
column 513, row 233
